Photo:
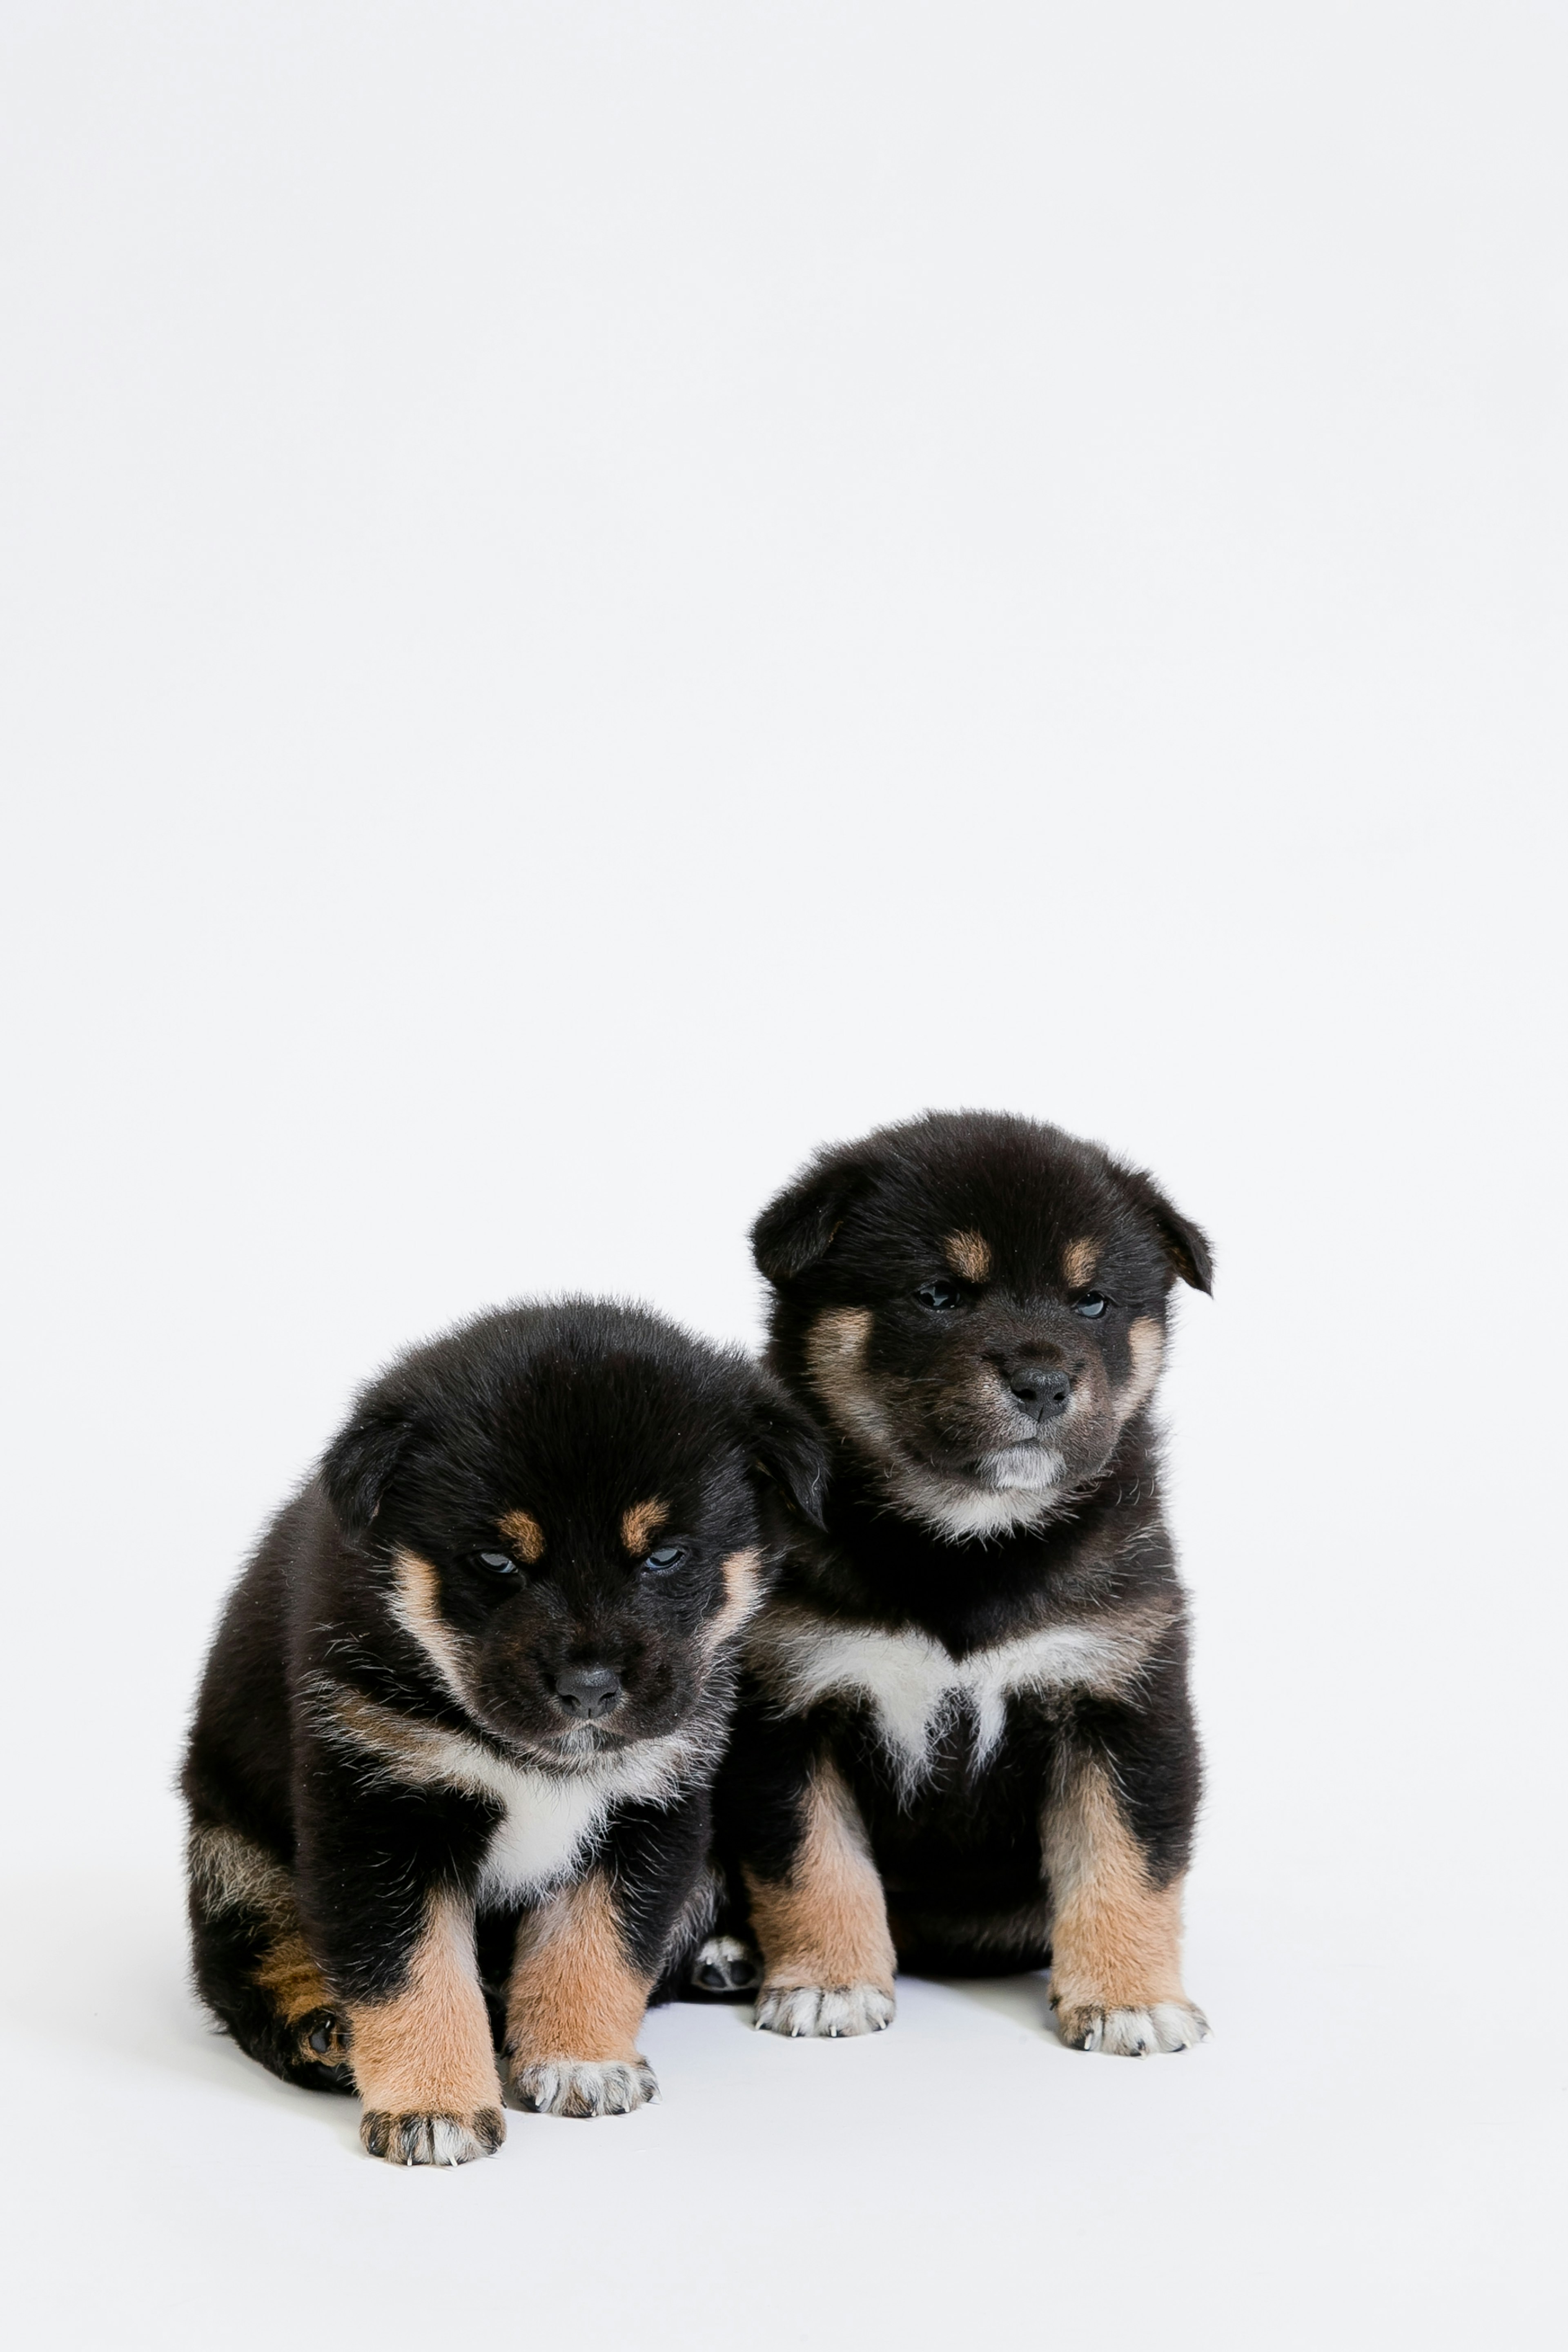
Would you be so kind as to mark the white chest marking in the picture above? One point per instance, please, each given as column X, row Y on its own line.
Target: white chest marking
column 913, row 1684
column 548, row 1819
column 542, row 1834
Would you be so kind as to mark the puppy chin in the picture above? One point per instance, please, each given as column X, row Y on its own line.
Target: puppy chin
column 567, row 1751
column 1016, row 1486
column 1030, row 1469
column 582, row 1740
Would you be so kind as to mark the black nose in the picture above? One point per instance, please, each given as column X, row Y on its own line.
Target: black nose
column 1042, row 1390
column 589, row 1692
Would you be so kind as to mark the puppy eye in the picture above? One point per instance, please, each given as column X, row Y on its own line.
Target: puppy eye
column 496, row 1563
column 1092, row 1304
column 668, row 1556
column 939, row 1296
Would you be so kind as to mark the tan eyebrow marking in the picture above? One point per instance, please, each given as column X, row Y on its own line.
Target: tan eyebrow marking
column 523, row 1529
column 1078, row 1262
column 639, row 1523
column 968, row 1254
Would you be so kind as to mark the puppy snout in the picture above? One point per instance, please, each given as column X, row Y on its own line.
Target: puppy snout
column 1042, row 1390
column 588, row 1692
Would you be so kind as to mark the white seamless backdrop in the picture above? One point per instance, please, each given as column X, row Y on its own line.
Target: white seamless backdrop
column 599, row 596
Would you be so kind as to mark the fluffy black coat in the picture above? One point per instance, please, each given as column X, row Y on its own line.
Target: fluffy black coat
column 965, row 1739
column 448, row 1776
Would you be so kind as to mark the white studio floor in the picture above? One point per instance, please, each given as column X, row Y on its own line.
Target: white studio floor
column 1354, row 2161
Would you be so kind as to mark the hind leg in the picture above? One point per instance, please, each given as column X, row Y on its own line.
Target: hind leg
column 253, row 1968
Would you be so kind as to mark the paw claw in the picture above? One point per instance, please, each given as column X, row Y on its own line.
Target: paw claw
column 831, row 2012
column 583, row 2087
column 431, row 2139
column 1163, row 2027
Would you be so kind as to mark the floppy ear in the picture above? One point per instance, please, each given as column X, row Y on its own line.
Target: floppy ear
column 794, row 1230
column 787, row 1450
column 1186, row 1244
column 357, row 1467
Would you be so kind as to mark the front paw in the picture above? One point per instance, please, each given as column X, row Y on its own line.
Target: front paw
column 1165, row 2025
column 830, row 2010
column 585, row 2086
column 432, row 2138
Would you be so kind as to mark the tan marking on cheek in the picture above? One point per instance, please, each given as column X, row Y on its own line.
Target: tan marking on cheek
column 1146, row 1346
column 522, row 1530
column 838, row 1337
column 574, row 1993
column 743, row 1594
column 640, row 1524
column 968, row 1256
column 1116, row 1939
column 417, row 1605
column 835, row 1348
column 827, row 1924
column 426, row 2050
column 1078, row 1262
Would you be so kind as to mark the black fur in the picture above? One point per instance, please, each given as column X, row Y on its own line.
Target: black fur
column 918, row 1397
column 319, row 1844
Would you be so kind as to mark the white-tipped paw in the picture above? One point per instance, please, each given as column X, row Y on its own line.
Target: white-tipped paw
column 431, row 2139
column 830, row 2010
column 585, row 2086
column 726, row 1964
column 1165, row 2025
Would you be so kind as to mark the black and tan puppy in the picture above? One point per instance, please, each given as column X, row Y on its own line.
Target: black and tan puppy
column 966, row 1743
column 448, row 1778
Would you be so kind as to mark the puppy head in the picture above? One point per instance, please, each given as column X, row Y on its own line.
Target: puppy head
column 572, row 1510
column 977, row 1304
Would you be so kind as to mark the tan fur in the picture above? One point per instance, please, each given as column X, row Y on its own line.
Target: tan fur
column 426, row 2050
column 288, row 1974
column 1078, row 1262
column 836, row 1357
column 743, row 1595
column 573, row 1993
column 380, row 1730
column 417, row 1605
column 828, row 1925
column 968, row 1256
column 1146, row 1345
column 639, row 1524
column 1115, row 1939
column 522, row 1530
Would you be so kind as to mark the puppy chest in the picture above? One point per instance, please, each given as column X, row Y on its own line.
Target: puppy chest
column 546, row 1828
column 928, row 1709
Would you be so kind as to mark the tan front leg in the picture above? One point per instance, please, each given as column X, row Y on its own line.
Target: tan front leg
column 828, row 1954
column 1116, row 1937
column 574, row 2007
column 423, row 2059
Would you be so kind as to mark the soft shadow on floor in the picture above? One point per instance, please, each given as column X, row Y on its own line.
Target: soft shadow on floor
column 104, row 1973
column 1023, row 2000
